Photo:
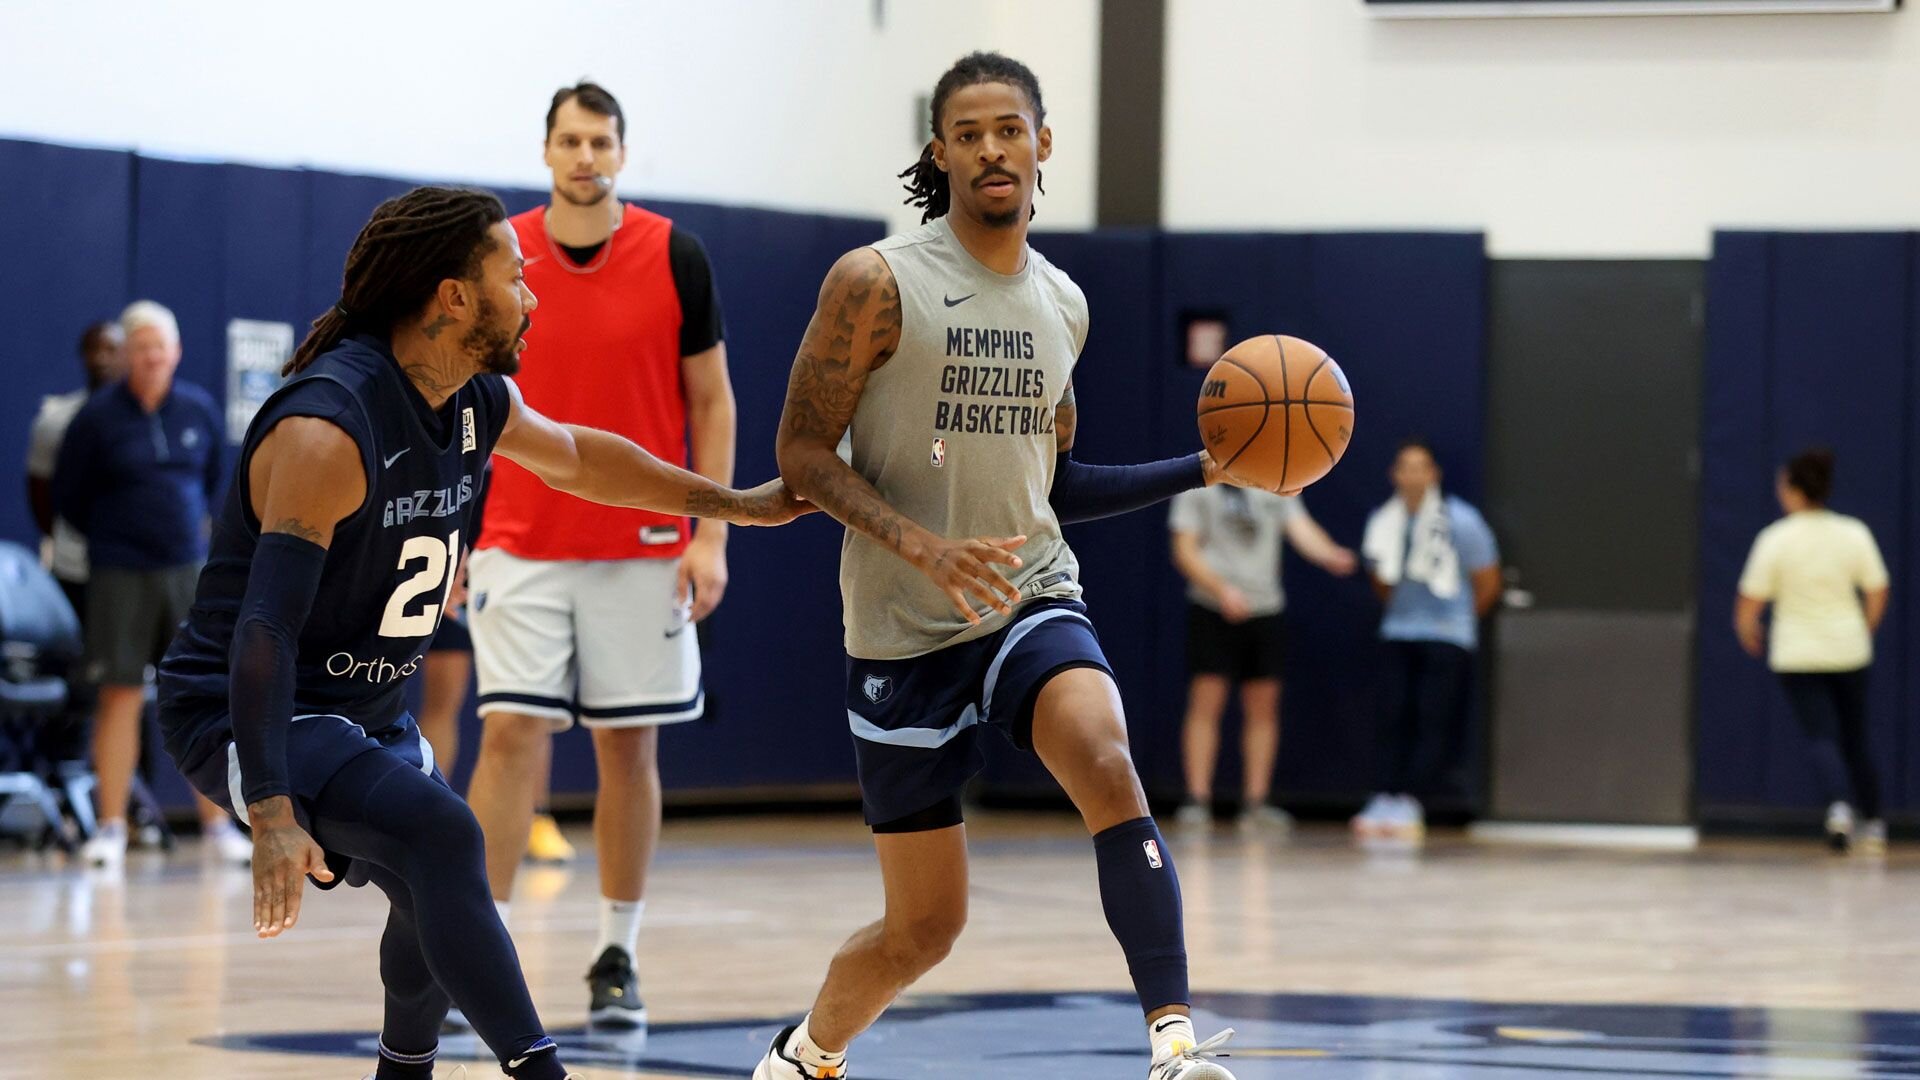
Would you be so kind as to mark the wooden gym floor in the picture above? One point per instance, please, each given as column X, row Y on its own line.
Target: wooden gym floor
column 1458, row 960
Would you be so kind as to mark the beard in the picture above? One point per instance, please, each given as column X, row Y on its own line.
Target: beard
column 494, row 348
column 599, row 195
column 1005, row 219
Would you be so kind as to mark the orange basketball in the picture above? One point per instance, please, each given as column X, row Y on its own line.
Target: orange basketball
column 1276, row 412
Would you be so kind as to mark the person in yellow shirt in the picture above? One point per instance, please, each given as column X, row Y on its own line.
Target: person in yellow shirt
column 1823, row 574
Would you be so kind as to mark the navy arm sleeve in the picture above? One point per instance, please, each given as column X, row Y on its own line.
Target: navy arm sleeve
column 1087, row 492
column 701, row 327
column 281, row 586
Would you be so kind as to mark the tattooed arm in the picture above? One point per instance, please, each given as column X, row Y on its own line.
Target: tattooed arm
column 305, row 477
column 854, row 331
column 605, row 468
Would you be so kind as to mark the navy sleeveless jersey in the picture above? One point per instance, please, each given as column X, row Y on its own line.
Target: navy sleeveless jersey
column 389, row 566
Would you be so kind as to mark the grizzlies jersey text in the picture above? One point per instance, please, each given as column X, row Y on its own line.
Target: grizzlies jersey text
column 389, row 567
column 956, row 433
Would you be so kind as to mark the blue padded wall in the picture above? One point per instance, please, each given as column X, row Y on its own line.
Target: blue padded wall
column 69, row 217
column 1405, row 314
column 1810, row 341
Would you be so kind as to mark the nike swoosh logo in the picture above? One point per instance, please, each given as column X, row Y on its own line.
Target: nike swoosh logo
column 388, row 464
column 1167, row 1023
column 956, row 303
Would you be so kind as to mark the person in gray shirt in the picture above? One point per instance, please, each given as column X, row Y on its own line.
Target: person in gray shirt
column 1227, row 543
column 64, row 549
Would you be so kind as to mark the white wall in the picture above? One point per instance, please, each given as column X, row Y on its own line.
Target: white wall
column 1562, row 137
column 801, row 104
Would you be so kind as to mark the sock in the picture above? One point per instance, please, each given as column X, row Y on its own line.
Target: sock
column 500, row 906
column 541, row 1061
column 398, row 1066
column 1141, row 895
column 619, row 925
column 803, row 1049
column 111, row 827
column 1171, row 1035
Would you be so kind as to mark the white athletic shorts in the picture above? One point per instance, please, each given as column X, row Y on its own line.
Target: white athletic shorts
column 601, row 640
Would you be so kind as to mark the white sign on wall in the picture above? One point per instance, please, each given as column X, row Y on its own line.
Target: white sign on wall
column 256, row 351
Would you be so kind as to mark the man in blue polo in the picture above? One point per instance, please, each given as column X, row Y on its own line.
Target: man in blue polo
column 136, row 474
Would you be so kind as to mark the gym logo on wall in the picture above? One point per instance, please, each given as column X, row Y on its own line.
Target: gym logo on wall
column 1097, row 1036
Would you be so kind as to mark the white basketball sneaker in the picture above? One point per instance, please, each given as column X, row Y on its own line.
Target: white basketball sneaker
column 1840, row 826
column 108, row 847
column 1372, row 820
column 778, row 1065
column 229, row 844
column 1192, row 1063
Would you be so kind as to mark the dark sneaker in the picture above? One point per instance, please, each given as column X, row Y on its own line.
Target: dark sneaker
column 616, row 991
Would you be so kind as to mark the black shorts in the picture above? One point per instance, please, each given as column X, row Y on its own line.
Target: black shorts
column 131, row 617
column 915, row 721
column 1243, row 651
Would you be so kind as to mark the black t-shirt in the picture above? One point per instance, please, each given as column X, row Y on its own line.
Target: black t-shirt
column 701, row 326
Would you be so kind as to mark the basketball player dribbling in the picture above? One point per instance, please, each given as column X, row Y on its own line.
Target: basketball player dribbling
column 947, row 353
column 282, row 698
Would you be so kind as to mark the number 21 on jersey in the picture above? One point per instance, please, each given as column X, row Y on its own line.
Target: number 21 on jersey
column 442, row 558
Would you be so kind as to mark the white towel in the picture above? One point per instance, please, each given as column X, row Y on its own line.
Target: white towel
column 1428, row 556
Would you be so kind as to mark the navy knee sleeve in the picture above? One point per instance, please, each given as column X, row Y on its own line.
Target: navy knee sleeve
column 1141, row 895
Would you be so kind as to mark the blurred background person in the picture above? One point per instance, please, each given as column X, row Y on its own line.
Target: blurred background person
column 1824, row 577
column 102, row 361
column 1436, row 567
column 136, row 474
column 1227, row 543
column 583, row 612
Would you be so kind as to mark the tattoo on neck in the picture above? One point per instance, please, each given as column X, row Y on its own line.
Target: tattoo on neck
column 439, row 323
column 296, row 527
column 427, row 379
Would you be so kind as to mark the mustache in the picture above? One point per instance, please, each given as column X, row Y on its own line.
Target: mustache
column 994, row 172
column 526, row 324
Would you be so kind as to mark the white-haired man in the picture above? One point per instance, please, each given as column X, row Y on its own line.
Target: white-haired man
column 139, row 467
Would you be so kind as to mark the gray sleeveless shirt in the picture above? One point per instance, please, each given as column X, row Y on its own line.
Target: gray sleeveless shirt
column 956, row 432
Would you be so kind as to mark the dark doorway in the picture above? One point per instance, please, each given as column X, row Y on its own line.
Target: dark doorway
column 1592, row 475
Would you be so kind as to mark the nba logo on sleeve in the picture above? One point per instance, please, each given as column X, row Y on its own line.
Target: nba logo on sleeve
column 939, row 452
column 467, row 441
column 1153, row 853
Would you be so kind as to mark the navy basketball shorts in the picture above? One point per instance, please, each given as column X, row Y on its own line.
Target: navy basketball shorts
column 915, row 721
column 318, row 746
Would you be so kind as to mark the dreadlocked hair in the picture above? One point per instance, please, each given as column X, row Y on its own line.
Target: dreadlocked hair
column 926, row 185
column 412, row 243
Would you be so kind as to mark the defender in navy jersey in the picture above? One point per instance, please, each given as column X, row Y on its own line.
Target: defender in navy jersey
column 330, row 567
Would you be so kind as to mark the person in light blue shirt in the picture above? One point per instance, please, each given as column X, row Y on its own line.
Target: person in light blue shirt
column 1436, row 567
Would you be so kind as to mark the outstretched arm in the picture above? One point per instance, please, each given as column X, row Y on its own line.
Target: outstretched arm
column 1315, row 546
column 605, row 468
column 1083, row 492
column 854, row 331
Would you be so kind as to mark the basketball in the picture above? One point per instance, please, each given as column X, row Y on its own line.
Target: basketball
column 1277, row 412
